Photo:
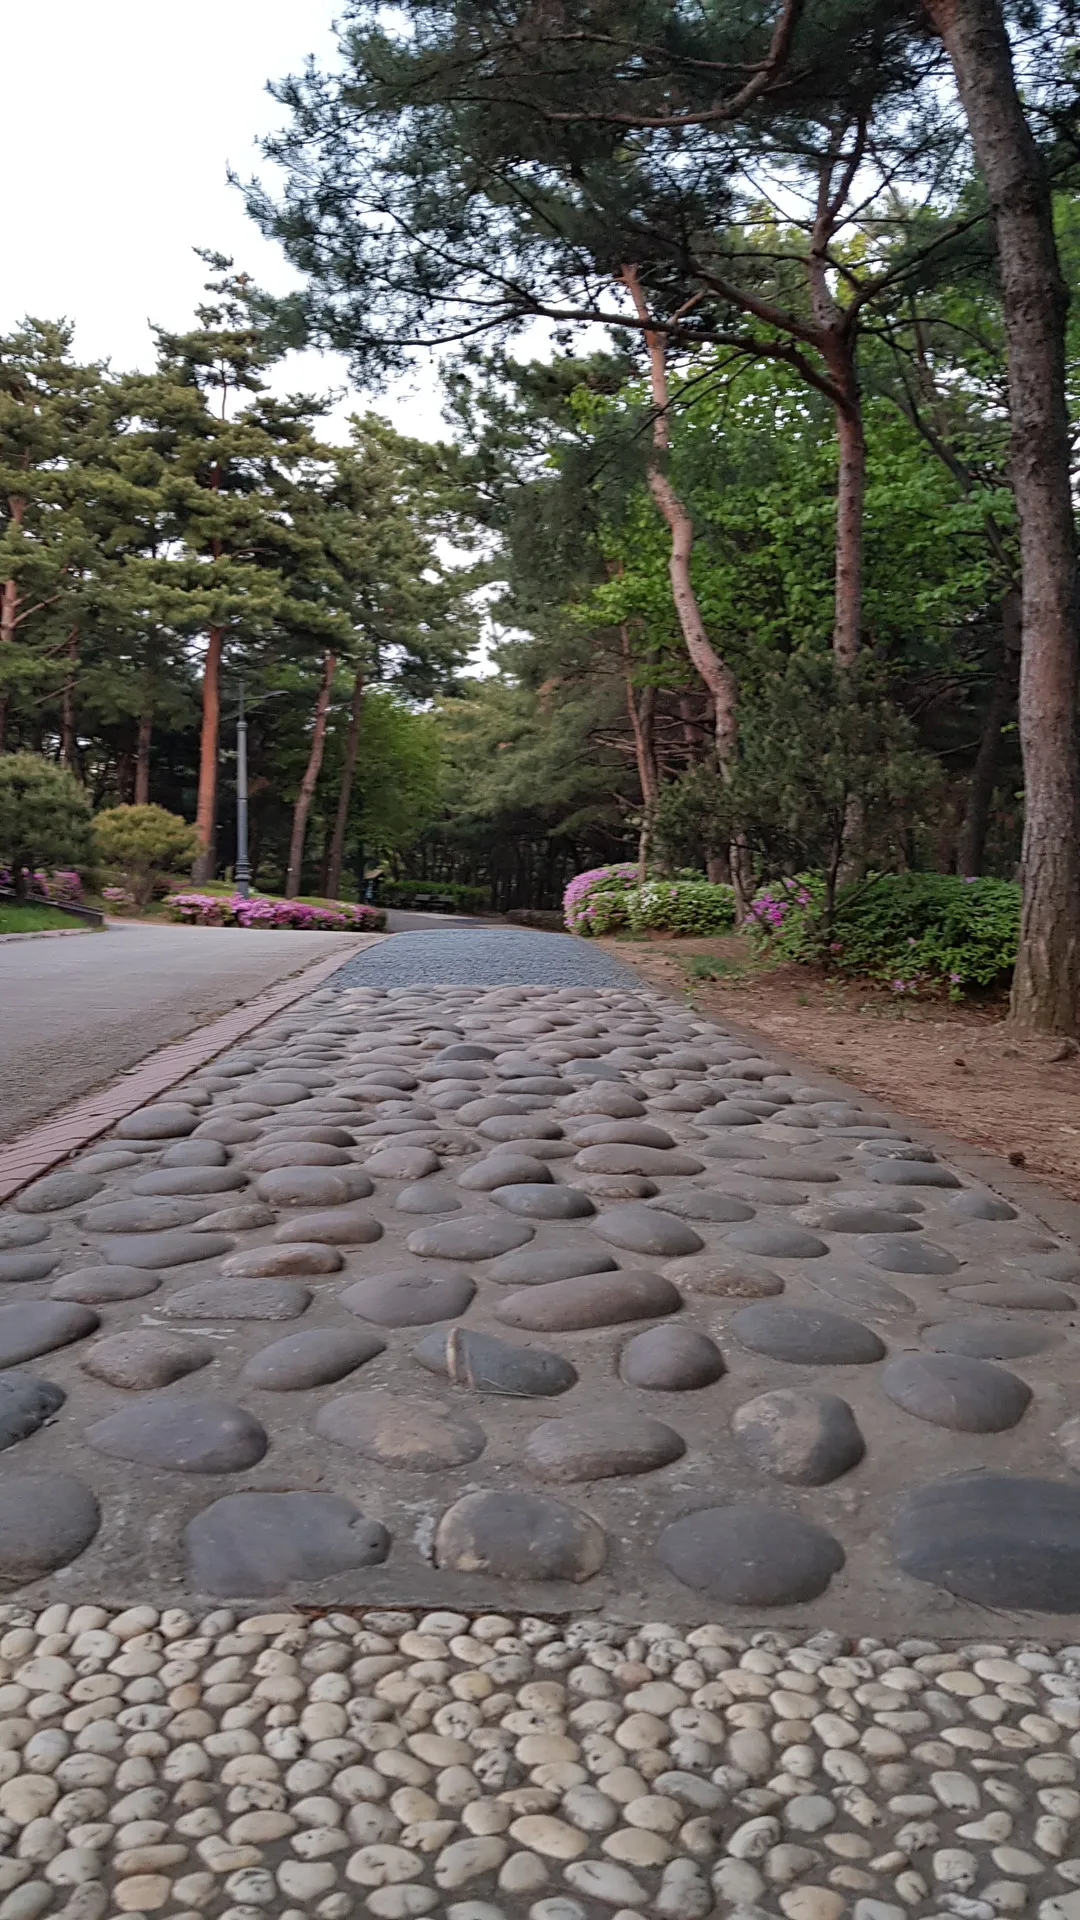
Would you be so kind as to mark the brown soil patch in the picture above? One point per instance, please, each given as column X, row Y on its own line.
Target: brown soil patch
column 958, row 1068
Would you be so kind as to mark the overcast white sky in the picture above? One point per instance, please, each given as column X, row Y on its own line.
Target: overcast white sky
column 120, row 120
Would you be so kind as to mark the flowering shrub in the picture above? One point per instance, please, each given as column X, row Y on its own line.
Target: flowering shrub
column 593, row 903
column 119, row 899
column 63, row 887
column 220, row 910
column 681, row 907
column 783, row 917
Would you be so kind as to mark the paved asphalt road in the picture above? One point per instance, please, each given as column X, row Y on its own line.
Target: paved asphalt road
column 74, row 1013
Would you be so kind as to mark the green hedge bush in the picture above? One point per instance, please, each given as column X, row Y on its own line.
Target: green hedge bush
column 911, row 931
column 419, row 893
column 681, row 907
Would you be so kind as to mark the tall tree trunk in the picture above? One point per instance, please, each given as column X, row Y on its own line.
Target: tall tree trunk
column 308, row 783
column 714, row 671
column 9, row 608
column 348, row 773
column 67, row 704
column 206, row 805
column 1046, row 984
column 142, row 751
column 850, row 498
column 640, row 715
column 971, row 845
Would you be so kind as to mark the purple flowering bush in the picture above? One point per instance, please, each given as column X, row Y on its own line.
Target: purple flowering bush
column 783, row 917
column 64, row 886
column 221, row 910
column 594, row 903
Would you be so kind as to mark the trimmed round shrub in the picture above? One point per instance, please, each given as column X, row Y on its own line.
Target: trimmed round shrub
column 681, row 907
column 44, row 818
column 140, row 844
column 594, row 902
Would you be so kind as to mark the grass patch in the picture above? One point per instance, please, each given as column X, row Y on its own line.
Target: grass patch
column 31, row 919
column 704, row 966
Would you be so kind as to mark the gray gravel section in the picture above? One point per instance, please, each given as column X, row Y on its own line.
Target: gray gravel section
column 488, row 956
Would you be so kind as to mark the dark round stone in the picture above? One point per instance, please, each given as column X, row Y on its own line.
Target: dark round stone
column 96, row 1286
column 312, row 1359
column 476, row 1237
column 628, row 1133
column 700, row 1203
column 617, row 1158
column 258, row 1545
column 642, row 1229
column 911, row 1256
column 57, row 1191
column 158, row 1250
column 727, row 1114
column 671, row 1359
column 592, row 1300
column 480, row 1361
column 750, row 1555
column 519, row 1536
column 862, row 1293
column 538, row 1265
column 617, row 1186
column 988, row 1339
column 426, row 1197
column 157, row 1123
column 994, row 1540
column 186, row 1435
column 25, row 1405
column 600, row 1446
column 410, row 1296
column 503, row 1170
column 46, row 1521
column 1018, row 1294
column 146, row 1358
column 952, row 1390
column 863, row 1220
column 144, row 1216
column 306, row 1187
column 805, row 1438
column 806, row 1336
column 337, row 1227
column 776, row 1242
column 238, row 1300
column 402, row 1163
column 195, row 1153
column 972, row 1205
column 910, row 1173
column 33, row 1327
column 542, row 1202
column 298, row 1153
column 724, row 1278
column 515, row 1127
column 811, row 1173
column 617, row 1102
column 16, row 1234
column 401, row 1430
column 282, row 1262
column 191, row 1180
column 27, row 1266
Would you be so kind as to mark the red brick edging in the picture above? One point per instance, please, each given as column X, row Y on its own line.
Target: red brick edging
column 33, row 1153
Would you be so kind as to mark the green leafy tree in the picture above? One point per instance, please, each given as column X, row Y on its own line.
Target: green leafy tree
column 143, row 843
column 44, row 817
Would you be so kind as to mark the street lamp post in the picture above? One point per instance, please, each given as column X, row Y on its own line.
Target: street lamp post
column 243, row 864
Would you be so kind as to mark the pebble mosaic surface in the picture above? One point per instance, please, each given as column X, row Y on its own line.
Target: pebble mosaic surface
column 554, row 1298
column 393, row 1764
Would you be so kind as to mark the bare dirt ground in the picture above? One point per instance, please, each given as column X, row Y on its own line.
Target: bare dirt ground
column 959, row 1068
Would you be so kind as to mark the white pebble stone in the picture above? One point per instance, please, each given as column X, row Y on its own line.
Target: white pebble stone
column 301, row 1881
column 543, row 1834
column 465, row 1860
column 522, row 1873
column 402, row 1902
column 602, row 1880
column 955, row 1867
column 380, row 1866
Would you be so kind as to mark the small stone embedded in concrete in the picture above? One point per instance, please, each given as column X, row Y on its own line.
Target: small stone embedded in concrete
column 57, row 1191
column 158, row 1250
column 195, row 1153
column 238, row 1300
column 953, row 1390
column 18, row 1267
column 861, row 1220
column 910, row 1173
column 776, row 1242
column 144, row 1215
column 502, row 1170
column 894, row 1255
column 145, row 1358
column 994, row 1540
column 282, row 1260
column 253, row 1545
column 401, row 1430
column 182, row 1433
column 671, row 1359
column 34, row 1327
column 94, row 1286
column 536, row 1201
column 519, row 1536
column 338, row 1227
column 284, row 1155
column 750, row 1556
column 600, row 1446
column 804, row 1438
column 539, row 1265
column 16, row 1234
column 410, row 1297
column 514, row 1127
column 46, row 1520
column 402, row 1163
column 469, row 1358
column 474, row 1238
column 702, row 1203
column 642, row 1229
column 630, row 1133
column 25, row 1405
column 724, row 1277
column 973, row 1205
column 861, row 1292
column 308, row 1187
column 426, row 1196
column 157, row 1123
column 988, row 1339
column 617, row 1157
column 191, row 1180
column 314, row 1358
column 806, row 1336
column 1018, row 1294
column 593, row 1300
